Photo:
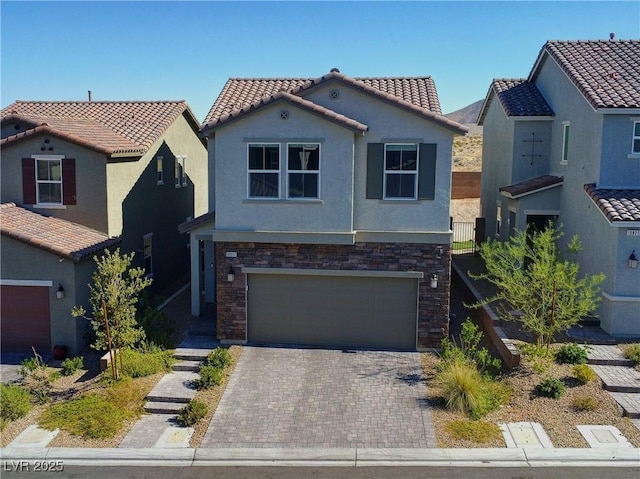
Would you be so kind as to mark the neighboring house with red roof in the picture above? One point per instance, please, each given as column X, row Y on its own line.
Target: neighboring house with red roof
column 331, row 199
column 131, row 171
column 563, row 144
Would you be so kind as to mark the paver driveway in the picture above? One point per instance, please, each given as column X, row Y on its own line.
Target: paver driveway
column 291, row 397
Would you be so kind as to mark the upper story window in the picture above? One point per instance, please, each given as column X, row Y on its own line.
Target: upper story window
column 400, row 171
column 181, row 171
column 565, row 142
column 635, row 149
column 303, row 167
column 49, row 181
column 159, row 172
column 264, row 170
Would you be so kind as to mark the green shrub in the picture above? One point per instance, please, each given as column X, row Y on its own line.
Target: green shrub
column 584, row 373
column 71, row 365
column 469, row 350
column 474, row 431
column 192, row 413
column 90, row 416
column 15, row 402
column 218, row 358
column 157, row 326
column 571, row 353
column 209, row 376
column 550, row 387
column 632, row 352
column 466, row 390
column 138, row 364
column 585, row 403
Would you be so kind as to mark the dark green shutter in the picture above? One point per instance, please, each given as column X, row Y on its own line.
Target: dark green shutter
column 375, row 170
column 427, row 171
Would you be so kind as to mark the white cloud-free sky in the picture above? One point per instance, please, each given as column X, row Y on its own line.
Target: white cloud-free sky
column 187, row 50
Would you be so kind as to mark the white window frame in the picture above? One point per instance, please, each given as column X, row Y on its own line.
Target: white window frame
column 159, row 170
column 498, row 219
column 400, row 172
column 634, row 137
column 264, row 171
column 564, row 159
column 48, row 158
column 181, row 171
column 147, row 252
column 305, row 172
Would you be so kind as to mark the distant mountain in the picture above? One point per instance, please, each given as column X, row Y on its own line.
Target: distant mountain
column 468, row 116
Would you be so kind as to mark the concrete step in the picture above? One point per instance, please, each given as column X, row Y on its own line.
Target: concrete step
column 187, row 365
column 191, row 354
column 618, row 378
column 605, row 355
column 629, row 403
column 158, row 407
column 177, row 386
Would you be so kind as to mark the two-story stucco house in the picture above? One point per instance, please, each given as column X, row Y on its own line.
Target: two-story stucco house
column 102, row 170
column 331, row 200
column 563, row 144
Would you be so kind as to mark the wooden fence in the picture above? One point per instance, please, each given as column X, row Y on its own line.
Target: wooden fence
column 465, row 184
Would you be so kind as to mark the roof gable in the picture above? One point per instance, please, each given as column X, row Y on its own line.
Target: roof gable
column 117, row 128
column 605, row 72
column 517, row 97
column 417, row 95
column 55, row 235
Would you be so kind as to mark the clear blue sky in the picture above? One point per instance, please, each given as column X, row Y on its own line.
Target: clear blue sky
column 187, row 50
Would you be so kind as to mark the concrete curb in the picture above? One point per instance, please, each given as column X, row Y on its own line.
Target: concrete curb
column 314, row 457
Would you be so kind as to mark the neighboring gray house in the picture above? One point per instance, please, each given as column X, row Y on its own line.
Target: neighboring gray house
column 331, row 200
column 564, row 144
column 127, row 170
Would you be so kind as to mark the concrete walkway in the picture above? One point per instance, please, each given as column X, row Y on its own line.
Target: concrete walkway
column 172, row 393
column 618, row 375
column 295, row 397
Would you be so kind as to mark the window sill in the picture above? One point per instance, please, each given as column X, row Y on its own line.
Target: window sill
column 404, row 201
column 310, row 201
column 50, row 207
column 633, row 156
column 564, row 163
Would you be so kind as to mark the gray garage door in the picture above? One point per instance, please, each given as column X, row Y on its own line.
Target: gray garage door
column 366, row 312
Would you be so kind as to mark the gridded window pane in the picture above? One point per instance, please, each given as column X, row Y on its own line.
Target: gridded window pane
column 50, row 193
column 400, row 185
column 49, row 170
column 264, row 157
column 636, row 128
column 304, row 157
column 636, row 145
column 263, row 185
column 303, row 185
column 401, row 157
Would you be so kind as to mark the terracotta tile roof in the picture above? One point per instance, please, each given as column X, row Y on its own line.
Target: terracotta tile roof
column 616, row 205
column 57, row 236
column 125, row 128
column 416, row 94
column 607, row 73
column 518, row 97
column 288, row 97
column 530, row 186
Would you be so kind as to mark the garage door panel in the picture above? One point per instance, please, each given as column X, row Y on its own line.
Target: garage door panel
column 339, row 311
column 25, row 318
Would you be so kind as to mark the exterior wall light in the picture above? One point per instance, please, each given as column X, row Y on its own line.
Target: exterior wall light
column 434, row 280
column 439, row 252
column 60, row 292
column 633, row 260
column 230, row 275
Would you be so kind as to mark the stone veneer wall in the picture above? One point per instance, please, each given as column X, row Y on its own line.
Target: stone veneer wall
column 433, row 304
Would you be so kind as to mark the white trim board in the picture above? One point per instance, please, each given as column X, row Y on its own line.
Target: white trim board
column 25, row 282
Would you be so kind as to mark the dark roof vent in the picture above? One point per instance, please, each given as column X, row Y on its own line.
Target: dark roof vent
column 612, row 36
column 335, row 70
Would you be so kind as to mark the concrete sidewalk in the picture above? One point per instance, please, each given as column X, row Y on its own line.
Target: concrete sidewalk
column 347, row 457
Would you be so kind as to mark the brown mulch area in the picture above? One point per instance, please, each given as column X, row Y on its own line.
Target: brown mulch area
column 211, row 397
column 558, row 417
